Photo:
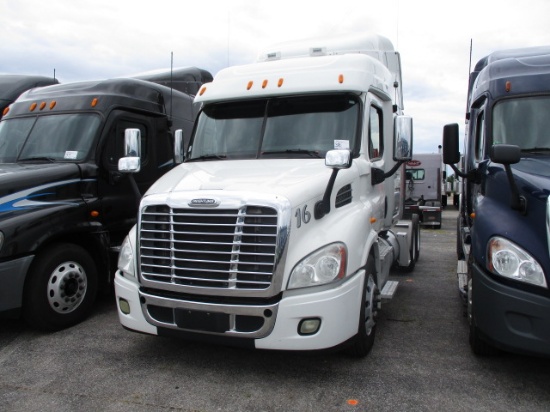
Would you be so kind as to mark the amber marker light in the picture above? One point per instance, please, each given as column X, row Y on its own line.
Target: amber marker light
column 249, row 85
column 508, row 86
column 94, row 102
column 6, row 110
column 473, row 215
column 32, row 107
column 373, row 220
column 52, row 104
column 94, row 213
column 42, row 105
column 264, row 84
column 203, row 89
column 341, row 78
column 280, row 83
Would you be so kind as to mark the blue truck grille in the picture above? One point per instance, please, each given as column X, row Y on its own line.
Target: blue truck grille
column 228, row 249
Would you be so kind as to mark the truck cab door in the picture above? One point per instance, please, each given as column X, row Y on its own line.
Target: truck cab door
column 117, row 194
column 477, row 160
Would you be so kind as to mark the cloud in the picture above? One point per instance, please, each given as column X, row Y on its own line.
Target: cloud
column 83, row 40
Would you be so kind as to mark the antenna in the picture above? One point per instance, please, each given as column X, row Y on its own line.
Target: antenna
column 469, row 81
column 470, row 64
column 54, row 73
column 171, row 81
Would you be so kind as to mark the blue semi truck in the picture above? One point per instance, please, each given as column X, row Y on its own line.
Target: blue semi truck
column 503, row 235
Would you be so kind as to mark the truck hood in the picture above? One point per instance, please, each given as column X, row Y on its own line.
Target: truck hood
column 25, row 185
column 535, row 170
column 291, row 178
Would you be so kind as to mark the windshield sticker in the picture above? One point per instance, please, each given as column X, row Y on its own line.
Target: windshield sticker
column 71, row 154
column 341, row 144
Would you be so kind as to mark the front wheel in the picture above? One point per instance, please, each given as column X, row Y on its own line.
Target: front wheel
column 61, row 287
column 364, row 340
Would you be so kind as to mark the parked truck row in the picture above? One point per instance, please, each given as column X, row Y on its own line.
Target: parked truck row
column 298, row 191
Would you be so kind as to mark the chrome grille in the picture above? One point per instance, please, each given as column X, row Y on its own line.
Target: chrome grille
column 228, row 248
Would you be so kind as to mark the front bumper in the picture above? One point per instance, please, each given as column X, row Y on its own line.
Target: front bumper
column 337, row 308
column 12, row 281
column 511, row 319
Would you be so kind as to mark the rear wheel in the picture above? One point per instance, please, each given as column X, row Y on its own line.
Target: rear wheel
column 61, row 287
column 364, row 340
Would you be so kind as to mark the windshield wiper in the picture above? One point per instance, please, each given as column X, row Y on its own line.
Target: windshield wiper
column 536, row 150
column 311, row 153
column 37, row 158
column 209, row 157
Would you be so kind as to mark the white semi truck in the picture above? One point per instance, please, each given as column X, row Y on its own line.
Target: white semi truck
column 424, row 195
column 280, row 228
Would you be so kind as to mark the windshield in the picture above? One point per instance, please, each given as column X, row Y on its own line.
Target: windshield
column 523, row 122
column 304, row 127
column 64, row 137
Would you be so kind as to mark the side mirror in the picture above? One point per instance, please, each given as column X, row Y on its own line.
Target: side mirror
column 506, row 154
column 131, row 162
column 178, row 146
column 451, row 153
column 403, row 139
column 338, row 159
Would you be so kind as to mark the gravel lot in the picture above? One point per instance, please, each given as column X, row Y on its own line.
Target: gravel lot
column 421, row 361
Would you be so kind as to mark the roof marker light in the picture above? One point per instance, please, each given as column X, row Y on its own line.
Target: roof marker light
column 6, row 110
column 508, row 86
column 201, row 92
column 52, row 104
column 32, row 107
column 264, row 84
column 94, row 102
column 280, row 83
column 249, row 85
column 42, row 105
column 341, row 78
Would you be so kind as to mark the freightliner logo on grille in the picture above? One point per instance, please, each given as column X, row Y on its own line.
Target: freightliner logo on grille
column 204, row 202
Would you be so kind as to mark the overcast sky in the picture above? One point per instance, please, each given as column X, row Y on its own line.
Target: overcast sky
column 89, row 40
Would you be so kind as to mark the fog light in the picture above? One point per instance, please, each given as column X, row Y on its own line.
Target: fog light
column 124, row 306
column 309, row 326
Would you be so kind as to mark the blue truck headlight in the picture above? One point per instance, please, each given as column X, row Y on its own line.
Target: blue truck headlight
column 507, row 259
column 322, row 266
column 126, row 261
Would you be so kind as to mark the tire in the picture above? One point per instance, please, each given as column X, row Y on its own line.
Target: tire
column 61, row 287
column 414, row 249
column 416, row 228
column 459, row 249
column 362, row 343
column 479, row 347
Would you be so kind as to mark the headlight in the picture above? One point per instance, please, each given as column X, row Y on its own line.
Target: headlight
column 506, row 259
column 322, row 266
column 126, row 257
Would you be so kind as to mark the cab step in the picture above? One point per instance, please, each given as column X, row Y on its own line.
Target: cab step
column 389, row 289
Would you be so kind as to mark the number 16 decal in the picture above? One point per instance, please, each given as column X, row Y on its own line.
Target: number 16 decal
column 302, row 215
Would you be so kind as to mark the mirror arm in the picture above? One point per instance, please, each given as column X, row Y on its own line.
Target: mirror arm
column 322, row 207
column 518, row 202
column 394, row 168
column 460, row 173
